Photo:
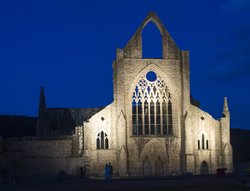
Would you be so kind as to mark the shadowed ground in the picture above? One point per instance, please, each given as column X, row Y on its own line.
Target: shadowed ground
column 203, row 183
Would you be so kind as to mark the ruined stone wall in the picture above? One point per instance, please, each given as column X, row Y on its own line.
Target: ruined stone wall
column 173, row 68
column 40, row 148
column 98, row 158
column 32, row 156
column 203, row 123
column 169, row 70
column 127, row 72
column 128, row 68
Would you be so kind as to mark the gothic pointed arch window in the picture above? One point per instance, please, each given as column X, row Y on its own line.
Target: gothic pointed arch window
column 170, row 117
column 203, row 141
column 134, row 116
column 152, row 117
column 102, row 140
column 151, row 106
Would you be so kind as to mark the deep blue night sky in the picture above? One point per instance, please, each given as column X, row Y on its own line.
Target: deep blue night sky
column 68, row 47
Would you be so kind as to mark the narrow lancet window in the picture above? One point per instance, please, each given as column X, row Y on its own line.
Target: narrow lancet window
column 102, row 140
column 158, row 118
column 98, row 143
column 164, row 118
column 152, row 118
column 170, row 123
column 146, row 118
column 203, row 142
column 106, row 143
column 134, row 117
column 139, row 117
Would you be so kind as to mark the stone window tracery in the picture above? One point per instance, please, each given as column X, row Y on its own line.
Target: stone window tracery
column 102, row 140
column 202, row 142
column 151, row 107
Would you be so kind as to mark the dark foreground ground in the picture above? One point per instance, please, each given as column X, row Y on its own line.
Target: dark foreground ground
column 192, row 183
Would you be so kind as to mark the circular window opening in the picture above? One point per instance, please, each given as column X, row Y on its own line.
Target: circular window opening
column 151, row 76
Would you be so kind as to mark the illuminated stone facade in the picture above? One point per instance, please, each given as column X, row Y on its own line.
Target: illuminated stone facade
column 153, row 127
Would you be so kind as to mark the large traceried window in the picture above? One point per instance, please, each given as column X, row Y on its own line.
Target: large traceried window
column 151, row 107
column 102, row 141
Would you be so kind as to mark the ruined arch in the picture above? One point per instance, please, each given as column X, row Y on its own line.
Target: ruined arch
column 152, row 17
column 152, row 21
column 152, row 42
column 133, row 49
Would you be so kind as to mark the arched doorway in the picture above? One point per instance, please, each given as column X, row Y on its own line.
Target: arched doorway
column 204, row 168
column 153, row 159
column 159, row 167
column 153, row 166
column 147, row 167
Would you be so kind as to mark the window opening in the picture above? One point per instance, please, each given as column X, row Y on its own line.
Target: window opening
column 151, row 107
column 102, row 140
column 151, row 41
